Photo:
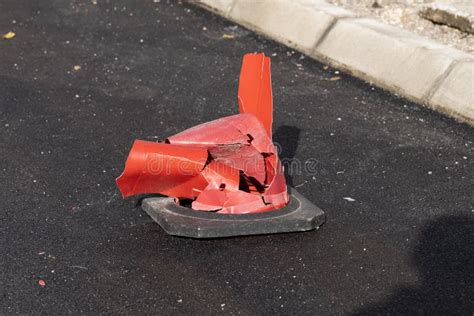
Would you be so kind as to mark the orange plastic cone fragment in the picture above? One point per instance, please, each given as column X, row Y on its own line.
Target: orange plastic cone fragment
column 210, row 200
column 228, row 165
column 245, row 158
column 255, row 89
column 172, row 170
column 221, row 176
column 240, row 202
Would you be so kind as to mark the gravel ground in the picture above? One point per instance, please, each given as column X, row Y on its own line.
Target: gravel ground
column 406, row 16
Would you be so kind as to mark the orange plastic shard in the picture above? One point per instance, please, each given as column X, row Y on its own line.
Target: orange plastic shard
column 228, row 165
column 168, row 169
column 255, row 89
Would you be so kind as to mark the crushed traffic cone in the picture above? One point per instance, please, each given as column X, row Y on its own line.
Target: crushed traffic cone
column 224, row 177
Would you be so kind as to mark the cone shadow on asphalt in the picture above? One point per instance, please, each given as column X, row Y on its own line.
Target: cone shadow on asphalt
column 286, row 138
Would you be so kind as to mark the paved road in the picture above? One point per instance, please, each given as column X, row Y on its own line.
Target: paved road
column 149, row 70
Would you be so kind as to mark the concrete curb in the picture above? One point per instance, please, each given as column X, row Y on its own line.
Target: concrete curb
column 435, row 75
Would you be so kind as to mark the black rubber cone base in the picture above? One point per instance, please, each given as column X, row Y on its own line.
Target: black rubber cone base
column 298, row 216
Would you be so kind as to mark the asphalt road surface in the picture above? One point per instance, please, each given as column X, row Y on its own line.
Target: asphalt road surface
column 395, row 179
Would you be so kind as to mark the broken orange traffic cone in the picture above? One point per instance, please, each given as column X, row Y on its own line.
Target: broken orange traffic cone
column 226, row 166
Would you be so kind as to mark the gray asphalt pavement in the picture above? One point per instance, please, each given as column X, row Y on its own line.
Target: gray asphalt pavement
column 394, row 179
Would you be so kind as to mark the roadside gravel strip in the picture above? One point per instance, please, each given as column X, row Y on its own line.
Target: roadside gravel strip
column 435, row 75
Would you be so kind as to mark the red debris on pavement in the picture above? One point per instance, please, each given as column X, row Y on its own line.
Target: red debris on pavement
column 228, row 165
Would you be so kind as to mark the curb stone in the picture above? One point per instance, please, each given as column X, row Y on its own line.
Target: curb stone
column 435, row 75
column 457, row 90
column 302, row 32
